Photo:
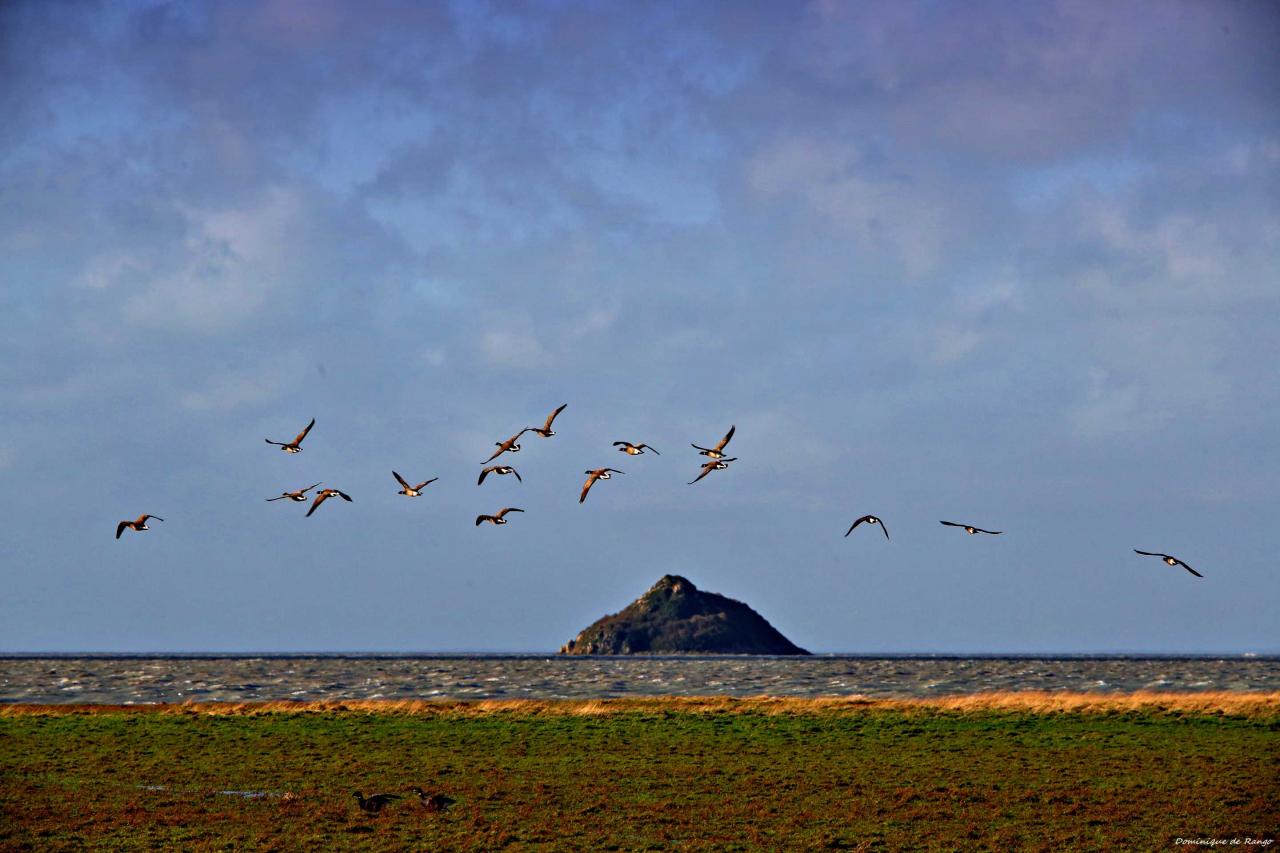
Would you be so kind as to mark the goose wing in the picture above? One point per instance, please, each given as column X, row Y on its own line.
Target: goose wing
column 855, row 524
column 586, row 487
column 120, row 528
column 400, row 480
column 424, row 484
column 304, row 432
column 319, row 499
column 728, row 435
column 647, row 447
column 551, row 417
column 1188, row 568
column 506, row 509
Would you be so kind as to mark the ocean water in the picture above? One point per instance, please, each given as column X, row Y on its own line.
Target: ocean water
column 132, row 679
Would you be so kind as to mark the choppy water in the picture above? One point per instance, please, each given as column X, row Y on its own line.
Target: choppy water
column 136, row 679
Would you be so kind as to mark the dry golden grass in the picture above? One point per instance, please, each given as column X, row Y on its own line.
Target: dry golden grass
column 1236, row 704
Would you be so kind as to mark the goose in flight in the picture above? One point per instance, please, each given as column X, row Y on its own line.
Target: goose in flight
column 300, row 496
column 323, row 495
column 546, row 431
column 870, row 519
column 1173, row 561
column 497, row 518
column 500, row 470
column 716, row 452
column 715, row 464
column 376, row 803
column 412, row 491
column 633, row 449
column 592, row 476
column 138, row 524
column 970, row 529
column 511, row 444
column 295, row 445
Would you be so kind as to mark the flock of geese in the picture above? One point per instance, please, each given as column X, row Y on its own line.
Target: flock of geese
column 717, row 460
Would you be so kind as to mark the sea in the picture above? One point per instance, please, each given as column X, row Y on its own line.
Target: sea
column 175, row 678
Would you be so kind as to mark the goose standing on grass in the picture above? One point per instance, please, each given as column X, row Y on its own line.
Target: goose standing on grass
column 500, row 470
column 498, row 517
column 140, row 523
column 545, row 430
column 323, row 495
column 510, row 445
column 869, row 519
column 300, row 496
column 592, row 476
column 969, row 528
column 433, row 802
column 1172, row 561
column 716, row 452
column 633, row 449
column 716, row 464
column 376, row 803
column 295, row 445
column 412, row 491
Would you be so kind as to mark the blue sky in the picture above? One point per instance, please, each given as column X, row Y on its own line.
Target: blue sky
column 1011, row 264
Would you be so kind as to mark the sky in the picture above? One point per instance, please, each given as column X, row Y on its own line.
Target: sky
column 1009, row 264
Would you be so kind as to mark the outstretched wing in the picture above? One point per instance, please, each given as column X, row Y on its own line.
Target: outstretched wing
column 304, row 432
column 484, row 472
column 320, row 498
column 855, row 524
column 424, row 484
column 728, row 435
column 1188, row 568
column 120, row 528
column 506, row 509
column 706, row 469
column 952, row 524
column 400, row 479
column 647, row 447
column 1149, row 553
column 551, row 417
column 480, row 519
column 517, row 473
column 586, row 487
column 346, row 497
column 992, row 532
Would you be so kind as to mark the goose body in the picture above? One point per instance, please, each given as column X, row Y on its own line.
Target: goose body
column 294, row 446
column 869, row 519
column 592, row 476
column 970, row 529
column 375, row 803
column 300, row 496
column 323, row 495
column 500, row 470
column 497, row 518
column 716, row 463
column 1169, row 560
column 139, row 524
column 633, row 449
column 433, row 802
column 545, row 430
column 511, row 445
column 716, row 452
column 412, row 491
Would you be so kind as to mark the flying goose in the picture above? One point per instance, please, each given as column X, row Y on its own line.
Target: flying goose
column 500, row 470
column 633, row 449
column 592, row 476
column 376, row 803
column 716, row 463
column 1173, row 561
column 412, row 491
column 716, row 452
column 970, row 529
column 546, row 431
column 433, row 802
column 503, row 446
column 325, row 494
column 300, row 496
column 139, row 524
column 870, row 519
column 295, row 445
column 497, row 518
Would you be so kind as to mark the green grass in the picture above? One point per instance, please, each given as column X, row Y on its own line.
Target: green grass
column 640, row 780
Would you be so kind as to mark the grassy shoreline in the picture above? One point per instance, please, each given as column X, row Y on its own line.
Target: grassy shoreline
column 1045, row 771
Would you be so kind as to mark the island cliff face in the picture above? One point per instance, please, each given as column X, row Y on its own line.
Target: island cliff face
column 675, row 617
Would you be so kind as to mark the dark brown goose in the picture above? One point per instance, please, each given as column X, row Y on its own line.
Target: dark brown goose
column 869, row 519
column 500, row 470
column 498, row 517
column 546, row 431
column 504, row 446
column 1171, row 560
column 969, row 528
column 140, row 523
column 433, row 802
column 376, row 803
column 633, row 449
column 592, row 476
column 412, row 491
column 323, row 495
column 300, row 496
column 716, row 452
column 295, row 445
column 716, row 464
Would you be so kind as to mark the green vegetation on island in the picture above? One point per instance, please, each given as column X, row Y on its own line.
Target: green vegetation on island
column 675, row 617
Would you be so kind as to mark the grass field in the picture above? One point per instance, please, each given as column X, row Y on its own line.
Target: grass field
column 1011, row 771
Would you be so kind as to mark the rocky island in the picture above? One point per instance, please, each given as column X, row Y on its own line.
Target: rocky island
column 675, row 617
